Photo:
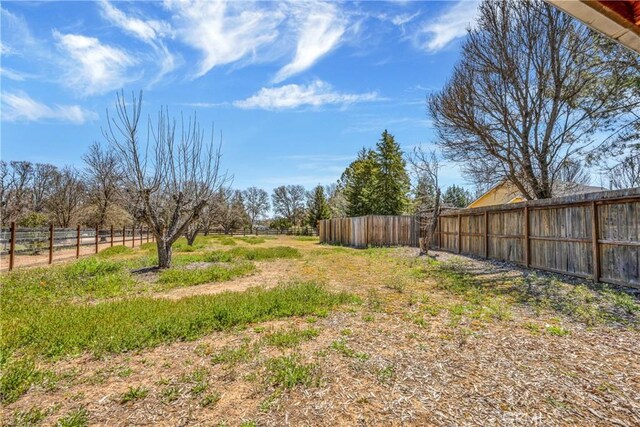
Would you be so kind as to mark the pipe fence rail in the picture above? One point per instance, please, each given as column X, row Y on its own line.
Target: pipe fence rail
column 34, row 246
column 594, row 236
column 44, row 245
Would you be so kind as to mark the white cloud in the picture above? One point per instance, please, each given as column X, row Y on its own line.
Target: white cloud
column 149, row 31
column 402, row 19
column 224, row 32
column 291, row 96
column 14, row 75
column 94, row 67
column 320, row 32
column 146, row 30
column 15, row 34
column 437, row 33
column 21, row 107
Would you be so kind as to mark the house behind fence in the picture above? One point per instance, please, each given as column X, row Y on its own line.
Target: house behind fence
column 594, row 235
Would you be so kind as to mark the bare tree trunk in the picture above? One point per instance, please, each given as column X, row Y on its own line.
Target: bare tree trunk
column 191, row 234
column 164, row 253
column 432, row 224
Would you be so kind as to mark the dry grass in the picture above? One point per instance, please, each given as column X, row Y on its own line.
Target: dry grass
column 446, row 342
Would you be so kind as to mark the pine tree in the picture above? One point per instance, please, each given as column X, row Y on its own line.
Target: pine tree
column 318, row 206
column 456, row 197
column 391, row 185
column 358, row 184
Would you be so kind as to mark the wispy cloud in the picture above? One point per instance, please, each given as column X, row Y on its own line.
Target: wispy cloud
column 436, row 34
column 146, row 30
column 224, row 32
column 93, row 67
column 150, row 31
column 14, row 75
column 204, row 104
column 404, row 18
column 21, row 107
column 15, row 31
column 292, row 96
column 367, row 124
column 320, row 31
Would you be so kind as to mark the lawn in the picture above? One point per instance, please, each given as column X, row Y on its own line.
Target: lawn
column 321, row 335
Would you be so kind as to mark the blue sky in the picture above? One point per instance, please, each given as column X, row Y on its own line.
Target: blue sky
column 296, row 88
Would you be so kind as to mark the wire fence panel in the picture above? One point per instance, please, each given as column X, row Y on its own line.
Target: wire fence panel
column 36, row 246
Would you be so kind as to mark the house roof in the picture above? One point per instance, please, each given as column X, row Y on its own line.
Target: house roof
column 513, row 195
column 618, row 19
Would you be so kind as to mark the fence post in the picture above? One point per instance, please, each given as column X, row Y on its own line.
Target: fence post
column 527, row 256
column 78, row 242
column 133, row 236
column 486, row 234
column 97, row 232
column 459, row 233
column 12, row 245
column 111, row 235
column 439, row 232
column 50, row 243
column 141, row 235
column 124, row 235
column 147, row 234
column 595, row 235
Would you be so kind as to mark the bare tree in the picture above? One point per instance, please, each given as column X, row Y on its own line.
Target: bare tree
column 337, row 201
column 425, row 167
column 626, row 173
column 66, row 197
column 232, row 214
column 19, row 176
column 103, row 177
column 43, row 177
column 288, row 202
column 531, row 93
column 256, row 204
column 4, row 192
column 171, row 176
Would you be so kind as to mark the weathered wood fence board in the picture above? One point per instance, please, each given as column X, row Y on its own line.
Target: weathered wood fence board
column 595, row 235
column 370, row 230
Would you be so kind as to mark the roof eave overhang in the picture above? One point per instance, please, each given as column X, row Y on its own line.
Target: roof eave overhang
column 603, row 19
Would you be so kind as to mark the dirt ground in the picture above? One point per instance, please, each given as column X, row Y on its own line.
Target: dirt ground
column 401, row 357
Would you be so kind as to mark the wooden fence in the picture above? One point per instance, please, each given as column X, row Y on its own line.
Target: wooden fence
column 370, row 230
column 594, row 235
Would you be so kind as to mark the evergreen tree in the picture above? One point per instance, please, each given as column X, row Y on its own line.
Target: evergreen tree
column 358, row 182
column 318, row 207
column 391, row 184
column 456, row 197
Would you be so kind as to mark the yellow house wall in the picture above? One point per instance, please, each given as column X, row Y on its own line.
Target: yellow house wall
column 499, row 195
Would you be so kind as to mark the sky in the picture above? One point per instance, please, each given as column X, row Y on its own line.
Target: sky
column 296, row 89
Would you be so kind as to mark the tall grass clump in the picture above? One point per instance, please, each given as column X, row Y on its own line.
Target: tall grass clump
column 115, row 251
column 54, row 330
column 251, row 240
column 196, row 276
column 261, row 254
column 92, row 277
